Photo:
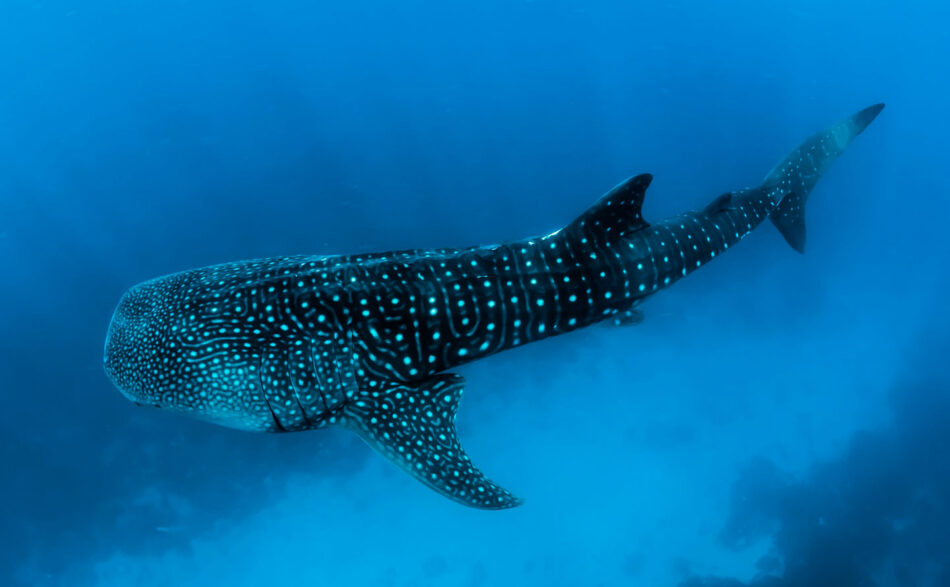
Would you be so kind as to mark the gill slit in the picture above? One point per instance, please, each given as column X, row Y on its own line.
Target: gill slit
column 260, row 380
column 293, row 386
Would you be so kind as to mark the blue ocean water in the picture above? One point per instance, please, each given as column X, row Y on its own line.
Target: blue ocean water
column 776, row 419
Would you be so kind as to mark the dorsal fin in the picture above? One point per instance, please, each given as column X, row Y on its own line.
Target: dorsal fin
column 723, row 202
column 618, row 212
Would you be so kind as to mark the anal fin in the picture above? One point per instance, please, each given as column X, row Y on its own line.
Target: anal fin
column 413, row 425
column 629, row 317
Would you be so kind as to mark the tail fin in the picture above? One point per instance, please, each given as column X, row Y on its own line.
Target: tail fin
column 790, row 182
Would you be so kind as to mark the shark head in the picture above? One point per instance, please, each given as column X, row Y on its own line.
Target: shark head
column 161, row 351
column 154, row 353
column 137, row 346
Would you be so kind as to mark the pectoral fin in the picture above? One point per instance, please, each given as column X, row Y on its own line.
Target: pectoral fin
column 413, row 425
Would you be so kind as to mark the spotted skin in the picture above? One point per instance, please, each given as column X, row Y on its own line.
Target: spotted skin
column 364, row 341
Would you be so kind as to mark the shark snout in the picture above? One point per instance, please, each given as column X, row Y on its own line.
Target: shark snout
column 117, row 356
column 134, row 335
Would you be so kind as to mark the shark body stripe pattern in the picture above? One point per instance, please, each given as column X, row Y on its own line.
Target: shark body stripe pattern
column 298, row 343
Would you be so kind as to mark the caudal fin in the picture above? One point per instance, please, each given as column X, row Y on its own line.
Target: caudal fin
column 790, row 182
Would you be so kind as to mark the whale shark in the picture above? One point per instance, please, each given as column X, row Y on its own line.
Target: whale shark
column 367, row 342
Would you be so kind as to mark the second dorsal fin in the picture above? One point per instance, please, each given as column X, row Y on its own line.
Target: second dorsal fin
column 616, row 213
column 723, row 202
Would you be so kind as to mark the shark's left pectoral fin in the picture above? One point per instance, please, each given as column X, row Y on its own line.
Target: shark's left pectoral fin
column 413, row 425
